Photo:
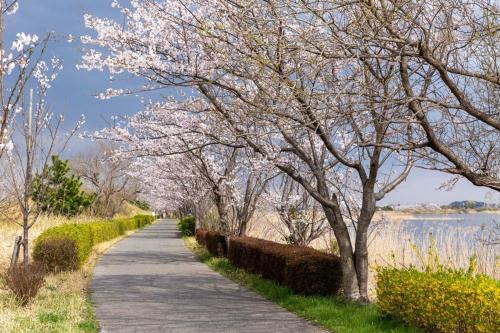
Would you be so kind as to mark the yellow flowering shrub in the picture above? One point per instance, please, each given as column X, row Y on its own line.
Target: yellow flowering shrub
column 440, row 301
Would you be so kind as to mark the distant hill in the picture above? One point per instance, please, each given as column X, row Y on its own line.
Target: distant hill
column 430, row 207
column 469, row 204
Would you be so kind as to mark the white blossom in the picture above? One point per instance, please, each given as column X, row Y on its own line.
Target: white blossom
column 23, row 40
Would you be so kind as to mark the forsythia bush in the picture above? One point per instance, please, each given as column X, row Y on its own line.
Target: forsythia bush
column 440, row 301
column 67, row 246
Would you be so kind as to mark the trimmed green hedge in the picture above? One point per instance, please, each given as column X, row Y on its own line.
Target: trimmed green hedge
column 186, row 225
column 442, row 301
column 55, row 247
column 105, row 230
column 79, row 234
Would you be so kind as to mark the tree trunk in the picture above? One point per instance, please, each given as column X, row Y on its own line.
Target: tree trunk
column 26, row 252
column 368, row 208
column 361, row 260
column 242, row 230
column 349, row 274
column 242, row 218
column 221, row 211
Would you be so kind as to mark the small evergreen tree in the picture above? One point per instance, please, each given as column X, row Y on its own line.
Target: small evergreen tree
column 57, row 192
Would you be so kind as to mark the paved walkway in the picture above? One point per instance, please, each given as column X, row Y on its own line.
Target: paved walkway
column 149, row 282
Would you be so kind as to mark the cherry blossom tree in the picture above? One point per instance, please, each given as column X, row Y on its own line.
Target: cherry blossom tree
column 451, row 79
column 18, row 63
column 222, row 165
column 301, row 215
column 447, row 58
column 168, row 185
column 323, row 121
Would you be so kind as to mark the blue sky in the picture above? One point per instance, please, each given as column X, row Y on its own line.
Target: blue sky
column 73, row 91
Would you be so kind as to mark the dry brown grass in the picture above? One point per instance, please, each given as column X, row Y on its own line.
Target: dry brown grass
column 61, row 306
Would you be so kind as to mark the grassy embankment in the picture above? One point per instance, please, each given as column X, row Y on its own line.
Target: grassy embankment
column 62, row 304
column 330, row 313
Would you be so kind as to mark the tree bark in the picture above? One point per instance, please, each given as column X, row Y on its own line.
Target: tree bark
column 221, row 211
column 361, row 252
column 242, row 229
column 349, row 274
column 26, row 253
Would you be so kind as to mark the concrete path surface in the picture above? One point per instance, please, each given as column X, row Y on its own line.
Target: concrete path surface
column 149, row 282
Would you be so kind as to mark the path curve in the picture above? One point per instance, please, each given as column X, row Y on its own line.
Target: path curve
column 150, row 282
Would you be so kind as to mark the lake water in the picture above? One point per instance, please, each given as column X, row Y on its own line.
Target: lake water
column 469, row 227
column 454, row 220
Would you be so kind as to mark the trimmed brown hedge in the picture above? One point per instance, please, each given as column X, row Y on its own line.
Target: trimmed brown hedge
column 201, row 236
column 214, row 241
column 302, row 269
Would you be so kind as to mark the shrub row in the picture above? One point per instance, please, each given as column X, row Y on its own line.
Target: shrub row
column 66, row 247
column 187, row 225
column 302, row 269
column 214, row 241
column 201, row 236
column 442, row 301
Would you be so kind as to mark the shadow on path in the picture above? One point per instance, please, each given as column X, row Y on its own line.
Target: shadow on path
column 150, row 282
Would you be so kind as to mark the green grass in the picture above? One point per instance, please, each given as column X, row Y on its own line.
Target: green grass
column 89, row 325
column 50, row 317
column 62, row 305
column 330, row 313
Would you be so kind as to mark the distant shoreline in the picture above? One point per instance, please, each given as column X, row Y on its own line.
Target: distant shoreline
column 441, row 211
column 408, row 214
